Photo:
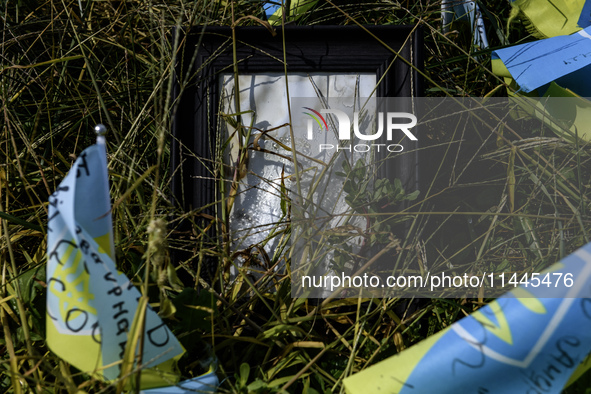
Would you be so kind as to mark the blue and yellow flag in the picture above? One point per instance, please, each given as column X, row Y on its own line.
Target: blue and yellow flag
column 556, row 66
column 90, row 305
column 535, row 64
column 531, row 340
column 546, row 18
column 562, row 55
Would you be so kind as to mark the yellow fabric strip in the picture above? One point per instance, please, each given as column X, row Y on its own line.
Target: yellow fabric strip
column 392, row 373
column 549, row 19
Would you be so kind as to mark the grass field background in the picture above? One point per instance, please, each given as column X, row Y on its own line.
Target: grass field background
column 66, row 66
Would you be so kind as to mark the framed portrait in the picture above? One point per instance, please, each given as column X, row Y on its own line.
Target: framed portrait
column 246, row 105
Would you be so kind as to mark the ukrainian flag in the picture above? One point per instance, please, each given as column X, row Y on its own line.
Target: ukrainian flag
column 534, row 339
column 552, row 18
column 90, row 305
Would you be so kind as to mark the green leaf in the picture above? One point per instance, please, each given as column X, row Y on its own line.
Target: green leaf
column 413, row 196
column 278, row 329
column 257, row 385
column 22, row 222
column 244, row 373
column 167, row 308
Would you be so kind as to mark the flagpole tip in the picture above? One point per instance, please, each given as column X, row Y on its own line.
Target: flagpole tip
column 100, row 129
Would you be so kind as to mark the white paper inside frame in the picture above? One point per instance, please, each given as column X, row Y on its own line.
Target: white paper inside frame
column 257, row 212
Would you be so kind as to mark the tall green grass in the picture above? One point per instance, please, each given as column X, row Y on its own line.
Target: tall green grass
column 68, row 65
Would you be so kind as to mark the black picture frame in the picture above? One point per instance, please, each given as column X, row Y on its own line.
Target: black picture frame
column 393, row 53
